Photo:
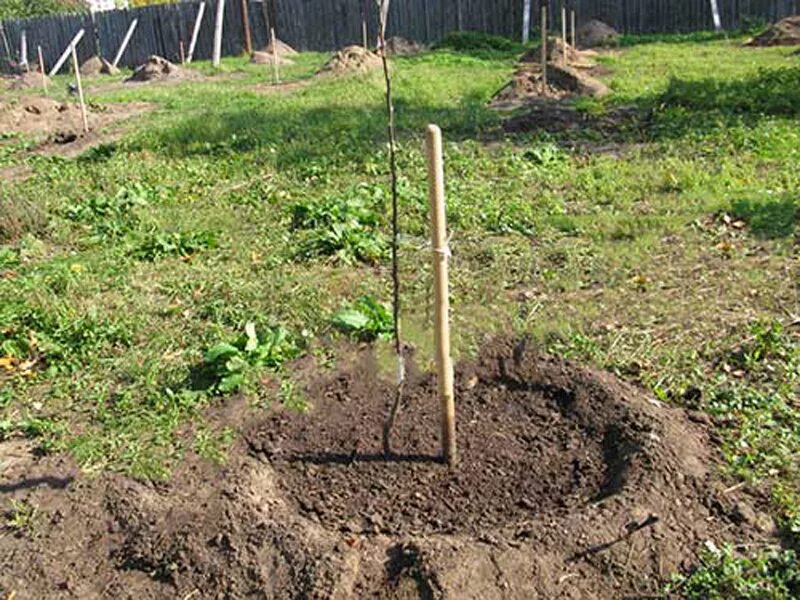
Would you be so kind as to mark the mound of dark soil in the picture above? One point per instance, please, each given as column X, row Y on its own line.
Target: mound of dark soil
column 351, row 59
column 159, row 69
column 26, row 80
column 528, row 86
column 556, row 49
column 571, row 484
column 400, row 46
column 267, row 58
column 98, row 66
column 783, row 33
column 594, row 34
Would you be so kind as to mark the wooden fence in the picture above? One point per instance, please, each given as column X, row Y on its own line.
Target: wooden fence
column 326, row 25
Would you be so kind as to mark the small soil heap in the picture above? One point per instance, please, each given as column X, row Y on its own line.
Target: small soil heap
column 159, row 69
column 562, row 82
column 98, row 66
column 400, row 46
column 556, row 49
column 595, row 34
column 41, row 116
column 265, row 55
column 351, row 59
column 26, row 80
column 783, row 33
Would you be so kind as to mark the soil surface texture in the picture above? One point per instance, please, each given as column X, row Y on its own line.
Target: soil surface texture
column 570, row 484
column 351, row 59
column 595, row 34
column 284, row 49
column 267, row 58
column 26, row 80
column 785, row 32
column 556, row 49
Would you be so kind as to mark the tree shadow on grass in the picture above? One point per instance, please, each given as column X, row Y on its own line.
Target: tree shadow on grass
column 771, row 219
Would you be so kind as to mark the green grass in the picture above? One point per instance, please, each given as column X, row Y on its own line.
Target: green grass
column 671, row 259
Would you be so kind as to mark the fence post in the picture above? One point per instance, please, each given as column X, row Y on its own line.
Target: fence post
column 526, row 21
column 248, row 38
column 218, row 32
column 196, row 31
column 23, row 49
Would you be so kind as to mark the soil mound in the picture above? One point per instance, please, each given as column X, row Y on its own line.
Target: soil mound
column 400, row 46
column 267, row 58
column 351, row 59
column 284, row 49
column 562, row 82
column 40, row 115
column 98, row 66
column 594, row 33
column 570, row 484
column 27, row 80
column 783, row 33
column 556, row 49
column 159, row 69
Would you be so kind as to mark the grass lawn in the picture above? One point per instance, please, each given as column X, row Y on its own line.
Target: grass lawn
column 669, row 255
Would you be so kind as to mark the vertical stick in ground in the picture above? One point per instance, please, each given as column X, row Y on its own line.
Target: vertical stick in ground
column 383, row 10
column 183, row 54
column 248, row 38
column 217, row 57
column 441, row 254
column 77, row 69
column 526, row 21
column 572, row 28
column 41, row 69
column 274, row 43
column 544, row 50
column 564, row 43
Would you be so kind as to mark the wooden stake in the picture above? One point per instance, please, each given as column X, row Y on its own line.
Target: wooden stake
column 77, row 68
column 248, row 39
column 564, row 49
column 544, row 49
column 65, row 55
column 197, row 22
column 23, row 50
column 441, row 254
column 41, row 69
column 217, row 57
column 574, row 34
column 364, row 40
column 526, row 21
column 183, row 54
column 274, row 43
column 125, row 41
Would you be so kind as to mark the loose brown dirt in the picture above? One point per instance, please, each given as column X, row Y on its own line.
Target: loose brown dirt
column 528, row 86
column 267, row 58
column 595, row 34
column 351, row 59
column 284, row 49
column 571, row 484
column 556, row 51
column 98, row 66
column 24, row 81
column 160, row 69
column 400, row 46
column 783, row 33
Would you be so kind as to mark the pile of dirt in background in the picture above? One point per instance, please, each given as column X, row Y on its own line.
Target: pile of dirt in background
column 785, row 32
column 562, row 82
column 351, row 59
column 571, row 484
column 98, row 66
column 40, row 115
column 284, row 49
column 159, row 69
column 596, row 34
column 260, row 57
column 556, row 49
column 26, row 80
column 400, row 46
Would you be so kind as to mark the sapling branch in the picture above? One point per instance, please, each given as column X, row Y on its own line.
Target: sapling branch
column 383, row 9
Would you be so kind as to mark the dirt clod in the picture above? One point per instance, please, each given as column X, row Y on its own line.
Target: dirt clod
column 570, row 484
column 351, row 59
column 785, row 32
column 595, row 34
